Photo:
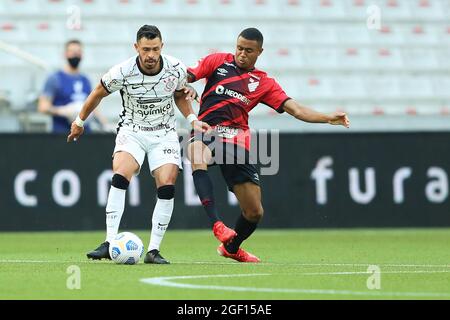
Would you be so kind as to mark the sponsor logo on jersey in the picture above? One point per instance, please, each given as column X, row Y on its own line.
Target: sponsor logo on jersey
column 221, row 90
column 151, row 109
column 170, row 151
column 252, row 85
column 226, row 132
column 222, row 72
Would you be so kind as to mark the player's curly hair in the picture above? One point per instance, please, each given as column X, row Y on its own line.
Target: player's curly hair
column 149, row 32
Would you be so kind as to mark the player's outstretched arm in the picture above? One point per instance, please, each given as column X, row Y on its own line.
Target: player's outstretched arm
column 309, row 115
column 186, row 110
column 92, row 101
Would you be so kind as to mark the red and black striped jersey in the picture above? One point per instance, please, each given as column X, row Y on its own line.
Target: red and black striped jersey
column 231, row 92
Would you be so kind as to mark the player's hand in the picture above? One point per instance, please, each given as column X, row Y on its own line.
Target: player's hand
column 339, row 118
column 191, row 94
column 200, row 126
column 75, row 132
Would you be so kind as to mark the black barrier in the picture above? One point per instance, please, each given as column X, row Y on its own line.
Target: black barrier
column 324, row 180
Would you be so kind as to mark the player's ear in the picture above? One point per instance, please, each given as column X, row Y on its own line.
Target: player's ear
column 136, row 47
column 260, row 51
column 162, row 45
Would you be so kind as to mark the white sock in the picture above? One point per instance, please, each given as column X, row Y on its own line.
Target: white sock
column 160, row 220
column 114, row 211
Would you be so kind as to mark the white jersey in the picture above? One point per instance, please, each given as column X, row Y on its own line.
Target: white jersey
column 147, row 99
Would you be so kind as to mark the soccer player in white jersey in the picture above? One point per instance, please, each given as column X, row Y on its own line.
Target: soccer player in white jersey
column 149, row 84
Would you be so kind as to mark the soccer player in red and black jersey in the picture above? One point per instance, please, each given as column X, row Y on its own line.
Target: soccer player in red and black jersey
column 234, row 87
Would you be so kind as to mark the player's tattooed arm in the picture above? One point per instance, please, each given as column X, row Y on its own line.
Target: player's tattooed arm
column 306, row 114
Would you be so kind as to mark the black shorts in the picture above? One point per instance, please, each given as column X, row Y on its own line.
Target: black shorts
column 234, row 161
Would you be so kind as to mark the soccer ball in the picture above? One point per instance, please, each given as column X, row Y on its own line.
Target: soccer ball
column 126, row 248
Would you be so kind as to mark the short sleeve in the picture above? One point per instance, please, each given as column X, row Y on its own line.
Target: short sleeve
column 207, row 65
column 113, row 80
column 182, row 80
column 50, row 86
column 275, row 97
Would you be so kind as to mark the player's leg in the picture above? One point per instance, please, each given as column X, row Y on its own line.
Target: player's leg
column 243, row 180
column 249, row 197
column 124, row 166
column 200, row 155
column 164, row 159
column 165, row 178
column 128, row 157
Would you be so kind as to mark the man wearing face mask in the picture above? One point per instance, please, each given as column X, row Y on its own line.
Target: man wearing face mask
column 66, row 90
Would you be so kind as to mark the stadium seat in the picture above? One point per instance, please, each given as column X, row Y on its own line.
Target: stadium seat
column 317, row 34
column 314, row 87
column 380, row 86
column 104, row 56
column 261, row 8
column 443, row 55
column 348, row 87
column 55, row 8
column 426, row 9
column 224, row 8
column 52, row 54
column 389, row 34
column 295, row 9
column 13, row 32
column 161, row 8
column 351, row 34
column 354, row 58
column 20, row 7
column 281, row 58
column 416, row 87
column 386, row 58
column 284, row 34
column 326, row 9
column 423, row 59
column 195, row 8
column 356, row 9
column 128, row 8
column 420, row 34
column 394, row 10
column 441, row 85
column 176, row 33
column 187, row 54
column 320, row 58
column 44, row 31
column 91, row 8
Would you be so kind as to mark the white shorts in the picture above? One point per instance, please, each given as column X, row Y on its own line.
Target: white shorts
column 160, row 148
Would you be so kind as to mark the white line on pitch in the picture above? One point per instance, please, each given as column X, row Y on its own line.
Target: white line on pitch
column 169, row 282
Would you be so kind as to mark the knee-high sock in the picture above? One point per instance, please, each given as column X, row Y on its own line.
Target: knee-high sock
column 161, row 216
column 114, row 211
column 244, row 229
column 115, row 205
column 205, row 191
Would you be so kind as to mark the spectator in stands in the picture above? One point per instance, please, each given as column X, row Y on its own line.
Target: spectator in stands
column 66, row 90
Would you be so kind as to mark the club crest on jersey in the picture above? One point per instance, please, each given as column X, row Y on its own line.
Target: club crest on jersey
column 222, row 72
column 170, row 84
column 252, row 85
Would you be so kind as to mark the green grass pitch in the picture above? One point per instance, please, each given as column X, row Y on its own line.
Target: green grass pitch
column 296, row 264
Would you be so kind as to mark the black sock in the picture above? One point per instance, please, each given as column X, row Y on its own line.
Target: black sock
column 244, row 229
column 204, row 188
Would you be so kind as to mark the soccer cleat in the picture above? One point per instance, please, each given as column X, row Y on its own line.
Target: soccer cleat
column 102, row 252
column 155, row 257
column 240, row 255
column 223, row 233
